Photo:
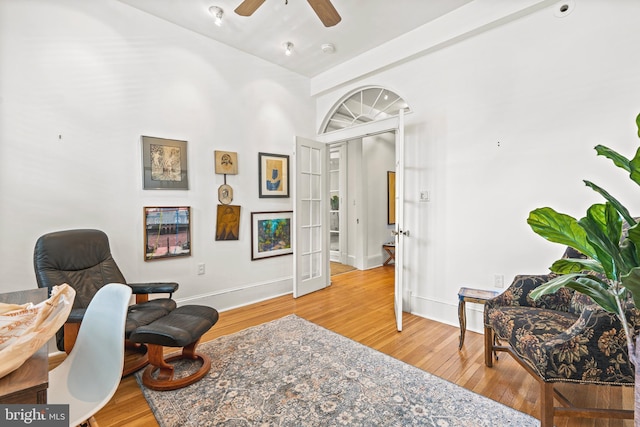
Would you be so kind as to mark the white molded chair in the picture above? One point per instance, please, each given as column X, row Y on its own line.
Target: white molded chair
column 91, row 373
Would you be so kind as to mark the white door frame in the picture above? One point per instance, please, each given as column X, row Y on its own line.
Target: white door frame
column 392, row 124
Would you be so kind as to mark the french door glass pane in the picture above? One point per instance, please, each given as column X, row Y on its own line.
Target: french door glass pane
column 316, row 264
column 316, row 242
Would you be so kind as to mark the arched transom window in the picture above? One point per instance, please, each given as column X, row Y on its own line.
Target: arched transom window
column 363, row 106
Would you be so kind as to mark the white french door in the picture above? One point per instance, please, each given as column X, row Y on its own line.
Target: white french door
column 399, row 232
column 311, row 217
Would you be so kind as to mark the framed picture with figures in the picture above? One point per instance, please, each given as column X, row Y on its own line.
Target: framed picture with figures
column 164, row 164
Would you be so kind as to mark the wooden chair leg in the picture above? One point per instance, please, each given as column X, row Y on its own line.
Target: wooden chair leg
column 488, row 346
column 546, row 404
column 70, row 335
column 164, row 379
column 189, row 351
column 156, row 359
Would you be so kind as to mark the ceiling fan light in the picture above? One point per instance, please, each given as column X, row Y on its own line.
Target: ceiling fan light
column 217, row 14
column 288, row 48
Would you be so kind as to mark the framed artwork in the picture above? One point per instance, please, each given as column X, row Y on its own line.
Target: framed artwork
column 226, row 162
column 391, row 198
column 273, row 172
column 164, row 164
column 225, row 194
column 228, row 222
column 271, row 234
column 167, row 232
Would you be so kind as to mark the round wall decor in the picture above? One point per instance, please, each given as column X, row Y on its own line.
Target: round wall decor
column 225, row 194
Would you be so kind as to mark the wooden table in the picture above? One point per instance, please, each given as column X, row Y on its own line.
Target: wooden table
column 465, row 295
column 390, row 248
column 27, row 384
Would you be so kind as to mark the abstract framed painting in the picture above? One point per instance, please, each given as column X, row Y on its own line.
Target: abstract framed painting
column 273, row 171
column 271, row 234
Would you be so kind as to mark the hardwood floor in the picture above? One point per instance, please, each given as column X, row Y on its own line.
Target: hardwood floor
column 359, row 305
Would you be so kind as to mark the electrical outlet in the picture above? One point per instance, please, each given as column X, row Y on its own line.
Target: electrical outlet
column 200, row 269
column 498, row 280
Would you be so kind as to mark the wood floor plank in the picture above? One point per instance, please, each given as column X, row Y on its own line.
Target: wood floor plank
column 359, row 305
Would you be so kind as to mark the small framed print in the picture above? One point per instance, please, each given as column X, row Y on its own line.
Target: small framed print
column 167, row 232
column 226, row 162
column 273, row 171
column 271, row 234
column 225, row 194
column 164, row 164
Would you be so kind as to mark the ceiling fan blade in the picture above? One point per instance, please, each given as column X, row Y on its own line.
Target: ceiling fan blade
column 247, row 7
column 326, row 12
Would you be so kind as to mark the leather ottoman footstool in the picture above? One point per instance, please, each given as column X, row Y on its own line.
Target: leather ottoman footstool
column 183, row 327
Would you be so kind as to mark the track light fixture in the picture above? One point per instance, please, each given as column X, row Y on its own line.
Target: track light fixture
column 217, row 13
column 288, row 48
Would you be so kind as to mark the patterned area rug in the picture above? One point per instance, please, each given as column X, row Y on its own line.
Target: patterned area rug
column 291, row 372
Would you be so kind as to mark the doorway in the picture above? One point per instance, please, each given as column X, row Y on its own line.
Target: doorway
column 359, row 201
column 363, row 113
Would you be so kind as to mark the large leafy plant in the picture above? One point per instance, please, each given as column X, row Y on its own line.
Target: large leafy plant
column 610, row 273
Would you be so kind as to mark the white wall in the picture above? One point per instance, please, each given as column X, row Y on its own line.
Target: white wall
column 378, row 153
column 503, row 123
column 368, row 160
column 100, row 75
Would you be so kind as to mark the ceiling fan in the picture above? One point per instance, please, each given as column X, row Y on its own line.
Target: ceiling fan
column 323, row 8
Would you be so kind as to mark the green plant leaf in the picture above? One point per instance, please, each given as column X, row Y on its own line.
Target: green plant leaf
column 631, row 282
column 596, row 225
column 560, row 228
column 609, row 198
column 618, row 159
column 554, row 285
column 631, row 246
column 630, row 255
column 576, row 265
column 638, row 124
column 634, row 167
column 594, row 289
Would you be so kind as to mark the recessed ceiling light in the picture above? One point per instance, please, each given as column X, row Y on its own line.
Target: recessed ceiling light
column 328, row 48
column 564, row 8
column 217, row 13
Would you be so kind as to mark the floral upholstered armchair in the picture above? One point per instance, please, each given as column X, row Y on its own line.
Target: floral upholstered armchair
column 561, row 337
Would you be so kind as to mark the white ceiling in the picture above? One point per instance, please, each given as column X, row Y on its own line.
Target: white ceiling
column 365, row 24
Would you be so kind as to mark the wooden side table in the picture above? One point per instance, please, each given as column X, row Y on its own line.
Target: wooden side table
column 390, row 248
column 465, row 295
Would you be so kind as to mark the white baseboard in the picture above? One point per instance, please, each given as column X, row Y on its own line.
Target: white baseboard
column 447, row 312
column 228, row 299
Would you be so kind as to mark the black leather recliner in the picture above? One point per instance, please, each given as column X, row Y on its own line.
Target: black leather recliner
column 82, row 259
